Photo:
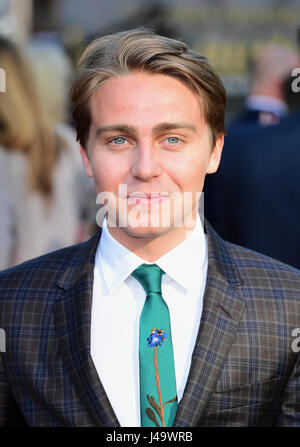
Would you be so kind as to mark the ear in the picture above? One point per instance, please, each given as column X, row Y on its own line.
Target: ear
column 215, row 156
column 86, row 162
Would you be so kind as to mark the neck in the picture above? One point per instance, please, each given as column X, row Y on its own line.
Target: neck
column 153, row 246
column 273, row 90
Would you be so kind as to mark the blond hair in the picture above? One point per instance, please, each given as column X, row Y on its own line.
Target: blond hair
column 143, row 50
column 24, row 124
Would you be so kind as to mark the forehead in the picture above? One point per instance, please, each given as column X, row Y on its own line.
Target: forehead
column 144, row 98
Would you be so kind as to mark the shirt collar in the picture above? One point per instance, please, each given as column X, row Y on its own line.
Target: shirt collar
column 267, row 104
column 182, row 264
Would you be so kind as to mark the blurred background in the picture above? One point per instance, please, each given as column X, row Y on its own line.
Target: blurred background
column 243, row 40
column 228, row 32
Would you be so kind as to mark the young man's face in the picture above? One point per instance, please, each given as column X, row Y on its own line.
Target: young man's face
column 147, row 132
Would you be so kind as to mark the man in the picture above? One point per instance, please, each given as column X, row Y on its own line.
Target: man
column 254, row 198
column 155, row 321
column 265, row 104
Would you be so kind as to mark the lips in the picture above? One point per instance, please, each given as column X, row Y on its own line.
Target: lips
column 147, row 198
column 145, row 195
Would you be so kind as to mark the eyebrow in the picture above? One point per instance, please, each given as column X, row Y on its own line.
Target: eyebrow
column 169, row 126
column 124, row 128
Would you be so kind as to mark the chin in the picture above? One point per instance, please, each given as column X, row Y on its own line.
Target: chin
column 147, row 232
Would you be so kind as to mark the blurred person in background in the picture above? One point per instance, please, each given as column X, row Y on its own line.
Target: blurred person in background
column 254, row 198
column 52, row 70
column 265, row 103
column 40, row 169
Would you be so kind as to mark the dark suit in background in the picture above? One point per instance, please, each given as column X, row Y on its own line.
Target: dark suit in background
column 254, row 198
column 254, row 116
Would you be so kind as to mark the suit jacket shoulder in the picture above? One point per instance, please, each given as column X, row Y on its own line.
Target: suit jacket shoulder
column 253, row 265
column 44, row 271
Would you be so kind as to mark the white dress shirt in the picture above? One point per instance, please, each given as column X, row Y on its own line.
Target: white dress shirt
column 267, row 104
column 118, row 300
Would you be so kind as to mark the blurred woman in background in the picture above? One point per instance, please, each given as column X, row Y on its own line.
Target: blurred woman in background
column 40, row 170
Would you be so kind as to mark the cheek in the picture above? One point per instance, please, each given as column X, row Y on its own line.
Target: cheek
column 107, row 175
column 197, row 169
column 188, row 175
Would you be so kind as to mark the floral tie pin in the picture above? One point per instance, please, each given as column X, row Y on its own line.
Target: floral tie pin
column 156, row 338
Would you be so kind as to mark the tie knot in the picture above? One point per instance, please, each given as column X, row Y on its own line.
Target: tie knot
column 149, row 276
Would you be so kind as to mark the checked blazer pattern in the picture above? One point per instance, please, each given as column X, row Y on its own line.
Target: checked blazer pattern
column 244, row 371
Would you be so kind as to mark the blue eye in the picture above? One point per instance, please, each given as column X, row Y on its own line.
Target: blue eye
column 119, row 140
column 173, row 140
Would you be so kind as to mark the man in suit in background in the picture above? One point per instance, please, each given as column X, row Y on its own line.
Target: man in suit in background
column 254, row 198
column 155, row 321
column 266, row 105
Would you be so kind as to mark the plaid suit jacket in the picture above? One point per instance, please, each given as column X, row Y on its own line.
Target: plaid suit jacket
column 245, row 368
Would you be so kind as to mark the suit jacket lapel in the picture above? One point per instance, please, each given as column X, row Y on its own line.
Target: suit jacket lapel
column 222, row 310
column 73, row 323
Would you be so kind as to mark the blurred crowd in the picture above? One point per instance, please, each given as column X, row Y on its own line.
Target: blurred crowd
column 46, row 200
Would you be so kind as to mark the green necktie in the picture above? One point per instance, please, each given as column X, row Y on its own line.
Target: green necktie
column 158, row 395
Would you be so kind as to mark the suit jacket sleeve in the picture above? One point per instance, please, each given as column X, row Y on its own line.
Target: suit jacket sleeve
column 290, row 409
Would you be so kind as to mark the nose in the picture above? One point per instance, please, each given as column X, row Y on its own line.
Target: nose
column 146, row 163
